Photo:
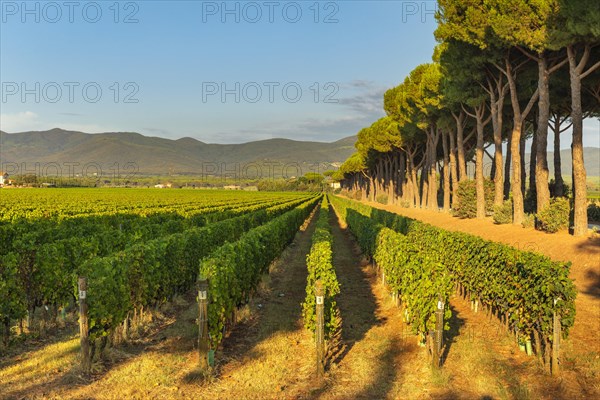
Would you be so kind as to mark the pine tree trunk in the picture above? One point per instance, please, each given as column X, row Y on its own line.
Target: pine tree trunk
column 460, row 146
column 453, row 169
column 541, row 166
column 579, row 174
column 507, row 169
column 391, row 181
column 498, row 172
column 479, row 178
column 533, row 165
column 424, row 186
column 446, row 171
column 414, row 184
column 401, row 186
column 522, row 149
column 517, row 191
column 433, row 186
column 559, row 185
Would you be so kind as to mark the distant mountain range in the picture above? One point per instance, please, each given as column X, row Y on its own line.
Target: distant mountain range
column 154, row 155
column 159, row 156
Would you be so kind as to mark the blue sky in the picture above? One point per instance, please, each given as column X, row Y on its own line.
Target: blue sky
column 195, row 68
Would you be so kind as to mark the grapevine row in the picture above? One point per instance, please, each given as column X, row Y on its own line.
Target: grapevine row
column 319, row 262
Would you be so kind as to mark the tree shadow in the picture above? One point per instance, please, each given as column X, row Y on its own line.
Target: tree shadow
column 66, row 380
column 387, row 375
column 11, row 355
column 593, row 288
column 591, row 244
column 450, row 336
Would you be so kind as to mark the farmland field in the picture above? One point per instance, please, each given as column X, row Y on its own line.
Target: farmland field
column 142, row 251
column 136, row 248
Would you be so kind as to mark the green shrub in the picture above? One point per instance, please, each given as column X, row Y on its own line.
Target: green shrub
column 357, row 195
column 503, row 213
column 319, row 262
column 556, row 216
column 382, row 198
column 528, row 221
column 405, row 204
column 467, row 198
column 593, row 212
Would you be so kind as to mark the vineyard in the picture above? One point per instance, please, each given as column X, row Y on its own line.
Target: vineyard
column 113, row 259
column 135, row 248
column 423, row 265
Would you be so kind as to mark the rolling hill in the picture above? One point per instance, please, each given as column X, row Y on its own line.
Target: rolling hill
column 155, row 155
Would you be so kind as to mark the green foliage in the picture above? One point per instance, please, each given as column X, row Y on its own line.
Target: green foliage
column 518, row 284
column 337, row 176
column 320, row 267
column 593, row 212
column 382, row 198
column 528, row 221
column 467, row 198
column 14, row 302
column 503, row 213
column 555, row 216
column 313, row 177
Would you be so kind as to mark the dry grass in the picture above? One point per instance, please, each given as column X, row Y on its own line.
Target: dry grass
column 55, row 363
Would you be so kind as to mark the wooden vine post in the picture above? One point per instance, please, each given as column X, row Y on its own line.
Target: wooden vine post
column 556, row 331
column 320, row 328
column 86, row 362
column 439, row 333
column 203, row 340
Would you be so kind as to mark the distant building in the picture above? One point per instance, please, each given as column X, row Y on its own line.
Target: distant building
column 335, row 185
column 232, row 187
column 4, row 178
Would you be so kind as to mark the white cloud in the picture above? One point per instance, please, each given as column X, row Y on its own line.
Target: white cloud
column 30, row 121
column 19, row 122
